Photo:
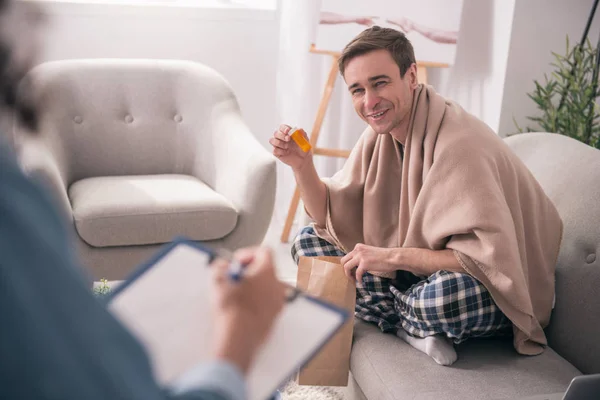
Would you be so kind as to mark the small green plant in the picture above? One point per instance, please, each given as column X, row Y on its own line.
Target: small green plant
column 102, row 289
column 567, row 100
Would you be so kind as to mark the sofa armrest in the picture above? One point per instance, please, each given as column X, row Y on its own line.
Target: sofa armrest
column 240, row 169
column 42, row 165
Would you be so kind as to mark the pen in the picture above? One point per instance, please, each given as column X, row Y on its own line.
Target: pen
column 236, row 270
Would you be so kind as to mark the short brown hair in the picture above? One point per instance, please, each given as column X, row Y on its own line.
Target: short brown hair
column 378, row 38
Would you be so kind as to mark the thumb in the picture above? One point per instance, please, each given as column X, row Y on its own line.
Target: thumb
column 360, row 272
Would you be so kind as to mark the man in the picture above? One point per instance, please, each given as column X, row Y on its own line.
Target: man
column 56, row 340
column 446, row 231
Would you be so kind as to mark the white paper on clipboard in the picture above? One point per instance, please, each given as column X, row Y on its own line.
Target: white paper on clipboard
column 166, row 305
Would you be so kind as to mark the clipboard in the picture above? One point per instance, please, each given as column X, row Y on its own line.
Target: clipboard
column 166, row 305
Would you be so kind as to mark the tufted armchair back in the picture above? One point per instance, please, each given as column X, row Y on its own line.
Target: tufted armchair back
column 129, row 117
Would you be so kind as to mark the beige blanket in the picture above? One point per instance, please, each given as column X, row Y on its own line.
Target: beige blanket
column 453, row 183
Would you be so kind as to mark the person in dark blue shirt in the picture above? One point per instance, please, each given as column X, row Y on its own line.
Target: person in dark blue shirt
column 57, row 341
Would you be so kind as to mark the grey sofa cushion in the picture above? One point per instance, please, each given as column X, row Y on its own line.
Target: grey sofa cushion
column 135, row 210
column 387, row 368
column 569, row 172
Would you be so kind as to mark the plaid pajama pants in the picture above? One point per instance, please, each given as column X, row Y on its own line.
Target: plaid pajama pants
column 449, row 303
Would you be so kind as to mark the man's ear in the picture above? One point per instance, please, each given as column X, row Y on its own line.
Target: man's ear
column 413, row 76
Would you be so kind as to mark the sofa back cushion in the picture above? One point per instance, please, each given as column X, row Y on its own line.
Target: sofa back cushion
column 127, row 117
column 569, row 172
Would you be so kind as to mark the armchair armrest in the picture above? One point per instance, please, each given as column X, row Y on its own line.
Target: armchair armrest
column 239, row 168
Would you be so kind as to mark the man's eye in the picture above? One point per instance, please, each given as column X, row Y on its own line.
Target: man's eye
column 357, row 91
column 380, row 83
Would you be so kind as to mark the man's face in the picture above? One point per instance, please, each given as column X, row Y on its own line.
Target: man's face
column 380, row 97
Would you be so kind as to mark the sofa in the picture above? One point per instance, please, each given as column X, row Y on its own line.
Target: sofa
column 385, row 368
column 138, row 152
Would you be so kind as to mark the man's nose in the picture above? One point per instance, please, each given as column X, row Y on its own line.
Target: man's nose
column 370, row 100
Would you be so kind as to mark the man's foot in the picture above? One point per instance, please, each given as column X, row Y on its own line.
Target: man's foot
column 437, row 347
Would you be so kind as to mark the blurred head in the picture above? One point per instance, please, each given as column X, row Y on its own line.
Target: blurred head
column 381, row 74
column 20, row 28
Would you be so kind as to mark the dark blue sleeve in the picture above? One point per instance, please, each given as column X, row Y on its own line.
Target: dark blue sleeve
column 57, row 341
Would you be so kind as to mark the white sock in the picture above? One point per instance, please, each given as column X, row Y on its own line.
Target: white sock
column 437, row 347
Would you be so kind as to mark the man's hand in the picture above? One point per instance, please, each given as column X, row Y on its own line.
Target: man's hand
column 285, row 149
column 312, row 189
column 368, row 258
column 423, row 262
column 245, row 311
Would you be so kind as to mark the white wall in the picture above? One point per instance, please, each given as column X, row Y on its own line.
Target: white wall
column 243, row 46
column 539, row 27
column 476, row 80
column 240, row 44
column 503, row 46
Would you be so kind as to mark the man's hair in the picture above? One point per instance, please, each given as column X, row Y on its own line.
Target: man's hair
column 10, row 79
column 378, row 38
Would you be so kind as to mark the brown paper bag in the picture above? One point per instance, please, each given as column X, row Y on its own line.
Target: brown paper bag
column 324, row 278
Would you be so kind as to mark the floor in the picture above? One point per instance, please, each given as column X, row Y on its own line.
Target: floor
column 286, row 268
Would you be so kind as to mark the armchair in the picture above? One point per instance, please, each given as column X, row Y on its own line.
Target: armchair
column 136, row 152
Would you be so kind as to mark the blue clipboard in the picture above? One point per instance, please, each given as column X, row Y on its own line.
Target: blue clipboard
column 165, row 304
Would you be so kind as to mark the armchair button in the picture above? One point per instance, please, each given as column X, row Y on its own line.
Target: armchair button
column 78, row 119
column 590, row 258
column 128, row 119
column 178, row 118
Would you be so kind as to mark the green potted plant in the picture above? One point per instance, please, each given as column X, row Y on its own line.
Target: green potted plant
column 101, row 289
column 567, row 99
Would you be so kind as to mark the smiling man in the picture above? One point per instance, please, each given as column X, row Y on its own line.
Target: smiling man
column 446, row 231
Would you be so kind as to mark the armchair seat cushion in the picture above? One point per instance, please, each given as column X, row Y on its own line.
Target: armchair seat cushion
column 148, row 209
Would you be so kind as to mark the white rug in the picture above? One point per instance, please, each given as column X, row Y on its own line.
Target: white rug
column 292, row 391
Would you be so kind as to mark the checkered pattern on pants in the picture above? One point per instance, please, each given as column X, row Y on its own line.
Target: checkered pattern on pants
column 450, row 303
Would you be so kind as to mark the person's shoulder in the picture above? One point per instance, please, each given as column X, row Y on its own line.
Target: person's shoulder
column 22, row 199
column 462, row 134
column 11, row 176
column 7, row 157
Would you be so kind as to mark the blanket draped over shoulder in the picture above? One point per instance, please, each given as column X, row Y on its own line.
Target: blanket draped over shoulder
column 452, row 183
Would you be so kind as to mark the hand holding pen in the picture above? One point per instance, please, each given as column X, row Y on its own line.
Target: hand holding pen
column 247, row 299
column 236, row 270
